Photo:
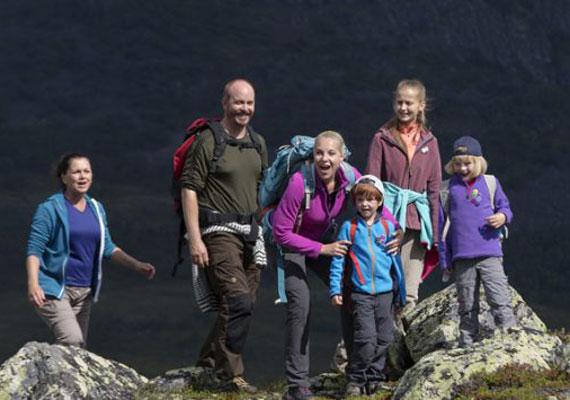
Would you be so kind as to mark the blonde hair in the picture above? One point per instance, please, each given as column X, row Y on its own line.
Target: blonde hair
column 421, row 90
column 479, row 164
column 334, row 136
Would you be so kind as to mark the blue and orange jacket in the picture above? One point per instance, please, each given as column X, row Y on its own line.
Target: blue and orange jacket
column 372, row 270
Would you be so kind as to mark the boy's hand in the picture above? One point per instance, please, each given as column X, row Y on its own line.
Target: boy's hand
column 336, row 300
column 339, row 248
column 496, row 220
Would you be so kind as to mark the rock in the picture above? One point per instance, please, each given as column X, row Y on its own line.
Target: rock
column 41, row 371
column 434, row 323
column 177, row 380
column 435, row 375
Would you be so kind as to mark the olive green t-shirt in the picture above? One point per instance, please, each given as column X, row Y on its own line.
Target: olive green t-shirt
column 232, row 188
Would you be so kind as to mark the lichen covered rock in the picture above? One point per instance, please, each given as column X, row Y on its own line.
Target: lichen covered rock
column 42, row 371
column 434, row 323
column 437, row 373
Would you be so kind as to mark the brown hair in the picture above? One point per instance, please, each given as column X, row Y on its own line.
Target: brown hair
column 367, row 191
column 62, row 165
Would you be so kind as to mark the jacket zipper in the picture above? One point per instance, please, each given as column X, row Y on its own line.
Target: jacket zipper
column 371, row 256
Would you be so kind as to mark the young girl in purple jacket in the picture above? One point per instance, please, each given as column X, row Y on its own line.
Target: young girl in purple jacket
column 472, row 244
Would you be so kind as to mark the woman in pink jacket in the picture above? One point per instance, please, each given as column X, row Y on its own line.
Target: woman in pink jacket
column 404, row 152
column 306, row 247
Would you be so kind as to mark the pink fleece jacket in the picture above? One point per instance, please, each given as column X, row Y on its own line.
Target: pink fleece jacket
column 389, row 161
column 323, row 212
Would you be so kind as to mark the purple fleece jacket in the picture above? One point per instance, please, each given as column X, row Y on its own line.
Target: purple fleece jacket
column 469, row 234
column 316, row 220
column 389, row 161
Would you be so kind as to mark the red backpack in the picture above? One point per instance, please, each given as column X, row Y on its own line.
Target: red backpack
column 221, row 139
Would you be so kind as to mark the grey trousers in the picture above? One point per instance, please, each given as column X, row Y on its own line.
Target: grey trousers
column 68, row 318
column 470, row 273
column 299, row 314
column 373, row 334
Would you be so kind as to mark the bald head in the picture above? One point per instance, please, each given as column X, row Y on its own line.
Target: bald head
column 236, row 85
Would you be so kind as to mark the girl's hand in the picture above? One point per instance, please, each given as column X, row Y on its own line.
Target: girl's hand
column 36, row 296
column 336, row 300
column 339, row 248
column 147, row 270
column 496, row 220
column 393, row 246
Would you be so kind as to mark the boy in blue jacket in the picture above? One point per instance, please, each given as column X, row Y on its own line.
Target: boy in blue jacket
column 373, row 281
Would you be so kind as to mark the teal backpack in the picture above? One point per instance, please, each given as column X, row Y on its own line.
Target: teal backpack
column 298, row 155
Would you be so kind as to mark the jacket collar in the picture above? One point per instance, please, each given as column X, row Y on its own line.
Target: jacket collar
column 387, row 135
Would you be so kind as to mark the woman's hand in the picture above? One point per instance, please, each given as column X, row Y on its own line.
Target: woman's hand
column 36, row 295
column 147, row 270
column 393, row 246
column 496, row 220
column 336, row 300
column 339, row 248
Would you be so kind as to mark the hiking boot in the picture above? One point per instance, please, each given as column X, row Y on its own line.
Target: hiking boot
column 373, row 386
column 299, row 393
column 238, row 384
column 352, row 389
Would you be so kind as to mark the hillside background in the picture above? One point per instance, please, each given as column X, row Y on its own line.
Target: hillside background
column 120, row 80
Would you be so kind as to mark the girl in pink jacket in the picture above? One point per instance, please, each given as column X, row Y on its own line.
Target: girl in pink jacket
column 404, row 152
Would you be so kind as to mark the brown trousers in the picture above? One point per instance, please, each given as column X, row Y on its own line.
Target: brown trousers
column 234, row 278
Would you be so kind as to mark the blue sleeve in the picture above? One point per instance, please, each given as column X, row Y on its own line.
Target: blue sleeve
column 337, row 263
column 502, row 203
column 443, row 247
column 109, row 245
column 41, row 231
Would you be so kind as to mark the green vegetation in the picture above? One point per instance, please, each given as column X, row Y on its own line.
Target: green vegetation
column 519, row 382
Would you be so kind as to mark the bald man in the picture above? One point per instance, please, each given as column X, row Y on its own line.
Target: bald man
column 213, row 200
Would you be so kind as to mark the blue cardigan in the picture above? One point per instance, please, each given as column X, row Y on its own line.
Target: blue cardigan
column 49, row 242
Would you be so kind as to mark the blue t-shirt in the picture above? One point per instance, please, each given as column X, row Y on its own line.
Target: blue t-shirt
column 84, row 237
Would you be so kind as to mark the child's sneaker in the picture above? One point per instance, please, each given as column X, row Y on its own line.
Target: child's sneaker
column 299, row 393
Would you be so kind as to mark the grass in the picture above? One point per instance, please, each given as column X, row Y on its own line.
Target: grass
column 520, row 382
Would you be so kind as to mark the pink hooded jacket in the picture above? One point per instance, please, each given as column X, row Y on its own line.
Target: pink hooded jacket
column 389, row 161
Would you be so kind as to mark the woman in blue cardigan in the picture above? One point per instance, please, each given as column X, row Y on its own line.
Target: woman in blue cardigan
column 67, row 243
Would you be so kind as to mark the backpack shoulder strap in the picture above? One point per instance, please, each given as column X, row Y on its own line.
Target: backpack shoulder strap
column 491, row 182
column 385, row 225
column 220, row 140
column 353, row 229
column 255, row 140
column 350, row 175
column 444, row 198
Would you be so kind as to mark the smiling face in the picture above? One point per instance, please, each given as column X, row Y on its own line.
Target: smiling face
column 239, row 104
column 464, row 166
column 78, row 177
column 328, row 155
column 408, row 104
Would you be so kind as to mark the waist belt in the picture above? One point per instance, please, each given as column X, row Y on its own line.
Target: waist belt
column 211, row 217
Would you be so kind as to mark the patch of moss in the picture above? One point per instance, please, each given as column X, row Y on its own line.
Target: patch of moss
column 519, row 382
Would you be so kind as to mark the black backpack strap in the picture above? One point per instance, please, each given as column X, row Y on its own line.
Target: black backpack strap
column 255, row 140
column 181, row 240
column 220, row 140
